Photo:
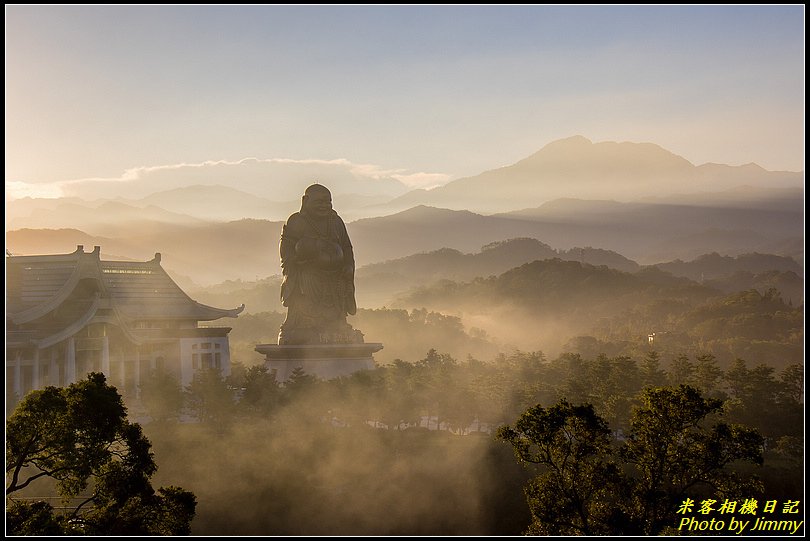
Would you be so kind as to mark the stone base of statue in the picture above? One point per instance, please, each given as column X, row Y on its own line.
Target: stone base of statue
column 326, row 361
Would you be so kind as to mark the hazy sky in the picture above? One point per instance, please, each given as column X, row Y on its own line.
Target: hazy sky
column 92, row 92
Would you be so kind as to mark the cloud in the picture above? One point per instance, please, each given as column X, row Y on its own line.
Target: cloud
column 423, row 180
column 19, row 190
column 411, row 180
column 278, row 179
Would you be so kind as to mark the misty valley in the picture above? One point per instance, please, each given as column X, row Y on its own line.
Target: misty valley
column 735, row 308
column 410, row 448
column 527, row 316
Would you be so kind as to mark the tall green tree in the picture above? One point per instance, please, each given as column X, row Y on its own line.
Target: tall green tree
column 707, row 375
column 398, row 398
column 260, row 392
column 162, row 395
column 790, row 401
column 209, row 398
column 651, row 373
column 79, row 437
column 681, row 371
column 575, row 491
column 676, row 450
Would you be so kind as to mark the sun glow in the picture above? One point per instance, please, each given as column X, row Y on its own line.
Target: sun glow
column 20, row 190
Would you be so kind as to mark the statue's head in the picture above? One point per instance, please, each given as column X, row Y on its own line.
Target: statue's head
column 317, row 201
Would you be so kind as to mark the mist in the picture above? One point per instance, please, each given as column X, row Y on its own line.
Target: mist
column 410, row 449
column 298, row 472
column 545, row 203
column 481, row 316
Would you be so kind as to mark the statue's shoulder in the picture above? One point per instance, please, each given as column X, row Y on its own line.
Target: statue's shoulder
column 295, row 225
column 295, row 220
column 336, row 217
column 339, row 227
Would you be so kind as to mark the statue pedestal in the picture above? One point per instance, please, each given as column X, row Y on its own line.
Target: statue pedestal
column 325, row 361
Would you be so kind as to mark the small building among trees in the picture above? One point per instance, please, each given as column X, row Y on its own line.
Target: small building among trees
column 71, row 314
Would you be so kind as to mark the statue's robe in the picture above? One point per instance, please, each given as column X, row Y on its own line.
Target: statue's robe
column 317, row 261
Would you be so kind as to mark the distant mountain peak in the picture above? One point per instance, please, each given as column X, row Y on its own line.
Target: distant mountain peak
column 573, row 141
column 427, row 210
column 577, row 150
column 753, row 167
column 519, row 242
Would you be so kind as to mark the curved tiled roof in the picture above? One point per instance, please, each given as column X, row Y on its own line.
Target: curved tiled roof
column 37, row 285
column 145, row 290
column 71, row 329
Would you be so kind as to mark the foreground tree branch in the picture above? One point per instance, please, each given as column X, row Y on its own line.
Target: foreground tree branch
column 84, row 438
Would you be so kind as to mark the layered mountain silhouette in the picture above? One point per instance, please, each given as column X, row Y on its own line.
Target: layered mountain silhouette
column 190, row 205
column 568, row 168
column 646, row 233
column 714, row 265
column 633, row 199
column 578, row 168
column 244, row 249
column 551, row 301
column 102, row 217
column 379, row 283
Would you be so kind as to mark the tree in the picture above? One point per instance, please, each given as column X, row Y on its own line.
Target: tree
column 614, row 384
column 400, row 395
column 162, row 395
column 32, row 518
column 792, row 379
column 675, row 454
column 299, row 384
column 651, row 373
column 790, row 401
column 762, row 400
column 209, row 397
column 707, row 375
column 79, row 437
column 571, row 371
column 681, row 371
column 260, row 390
column 432, row 380
column 305, row 398
column 573, row 493
column 672, row 452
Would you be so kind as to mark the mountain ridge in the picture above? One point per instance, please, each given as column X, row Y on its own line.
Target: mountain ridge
column 739, row 209
column 577, row 167
column 644, row 233
column 573, row 167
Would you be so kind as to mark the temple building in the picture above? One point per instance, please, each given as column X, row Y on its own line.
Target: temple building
column 70, row 314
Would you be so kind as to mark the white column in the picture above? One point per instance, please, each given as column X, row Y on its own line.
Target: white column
column 105, row 355
column 226, row 357
column 70, row 359
column 18, row 374
column 54, row 369
column 186, row 370
column 137, row 371
column 35, row 379
column 123, row 355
